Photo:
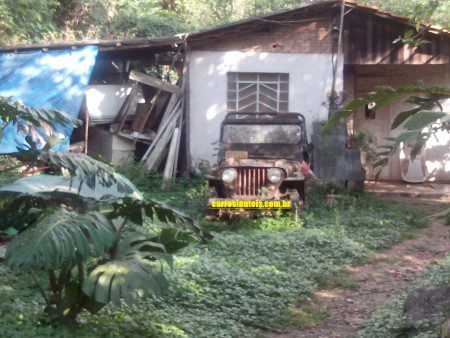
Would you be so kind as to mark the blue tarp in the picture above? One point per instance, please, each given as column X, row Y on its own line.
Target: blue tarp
column 45, row 79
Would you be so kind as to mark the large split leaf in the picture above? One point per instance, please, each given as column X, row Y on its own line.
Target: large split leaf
column 60, row 238
column 130, row 275
column 60, row 187
column 81, row 166
column 174, row 239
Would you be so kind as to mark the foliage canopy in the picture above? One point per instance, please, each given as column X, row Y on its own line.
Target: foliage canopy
column 34, row 21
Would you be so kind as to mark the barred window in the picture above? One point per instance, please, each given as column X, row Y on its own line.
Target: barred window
column 258, row 92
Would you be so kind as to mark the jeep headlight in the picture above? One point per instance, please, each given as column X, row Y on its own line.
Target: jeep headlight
column 275, row 175
column 229, row 175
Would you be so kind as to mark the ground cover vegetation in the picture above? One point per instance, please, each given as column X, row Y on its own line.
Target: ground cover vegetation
column 391, row 321
column 34, row 21
column 254, row 275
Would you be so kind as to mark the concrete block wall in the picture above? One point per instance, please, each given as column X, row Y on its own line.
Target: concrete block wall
column 332, row 160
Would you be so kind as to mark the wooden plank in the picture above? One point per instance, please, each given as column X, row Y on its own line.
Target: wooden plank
column 186, row 159
column 177, row 153
column 171, row 158
column 139, row 116
column 153, row 156
column 434, row 53
column 154, row 82
column 378, row 40
column 161, row 132
column 173, row 100
column 352, row 47
column 369, row 38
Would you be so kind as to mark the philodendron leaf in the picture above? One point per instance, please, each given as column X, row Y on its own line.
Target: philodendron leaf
column 408, row 136
column 132, row 272
column 60, row 238
column 174, row 239
column 125, row 278
column 86, row 169
column 424, row 97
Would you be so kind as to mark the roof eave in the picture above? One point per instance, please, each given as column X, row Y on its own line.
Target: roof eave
column 103, row 45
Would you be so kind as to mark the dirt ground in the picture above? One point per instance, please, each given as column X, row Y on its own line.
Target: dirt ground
column 385, row 274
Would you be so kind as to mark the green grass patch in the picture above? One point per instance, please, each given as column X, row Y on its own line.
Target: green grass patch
column 246, row 279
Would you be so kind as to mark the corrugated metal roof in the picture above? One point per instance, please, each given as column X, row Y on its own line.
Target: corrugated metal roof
column 104, row 45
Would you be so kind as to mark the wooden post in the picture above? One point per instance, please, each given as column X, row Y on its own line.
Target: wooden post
column 177, row 152
column 86, row 130
column 187, row 116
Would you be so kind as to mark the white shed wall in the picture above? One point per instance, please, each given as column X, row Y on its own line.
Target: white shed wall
column 310, row 78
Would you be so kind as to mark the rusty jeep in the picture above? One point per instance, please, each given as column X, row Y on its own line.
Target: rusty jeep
column 261, row 157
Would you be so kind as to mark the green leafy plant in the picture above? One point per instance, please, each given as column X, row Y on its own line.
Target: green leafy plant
column 245, row 280
column 15, row 111
column 99, row 256
column 92, row 251
column 420, row 123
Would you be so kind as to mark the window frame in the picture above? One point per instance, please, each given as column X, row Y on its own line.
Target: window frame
column 282, row 95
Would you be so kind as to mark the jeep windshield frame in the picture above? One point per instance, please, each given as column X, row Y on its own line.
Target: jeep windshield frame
column 260, row 149
column 262, row 133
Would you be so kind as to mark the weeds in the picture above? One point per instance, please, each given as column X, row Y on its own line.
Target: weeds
column 390, row 320
column 247, row 278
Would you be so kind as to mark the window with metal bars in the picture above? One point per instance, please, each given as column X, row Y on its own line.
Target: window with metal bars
column 258, row 92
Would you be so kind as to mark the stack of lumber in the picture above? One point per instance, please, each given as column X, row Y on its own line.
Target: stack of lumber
column 157, row 122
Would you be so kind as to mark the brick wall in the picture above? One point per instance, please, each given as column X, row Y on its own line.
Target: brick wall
column 288, row 37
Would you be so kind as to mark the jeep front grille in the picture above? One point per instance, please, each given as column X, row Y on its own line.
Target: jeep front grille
column 250, row 181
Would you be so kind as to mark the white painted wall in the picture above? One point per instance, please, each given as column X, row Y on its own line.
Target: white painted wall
column 310, row 77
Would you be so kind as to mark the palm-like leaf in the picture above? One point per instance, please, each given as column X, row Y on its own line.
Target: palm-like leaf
column 385, row 95
column 131, row 274
column 60, row 239
column 14, row 111
column 423, row 119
